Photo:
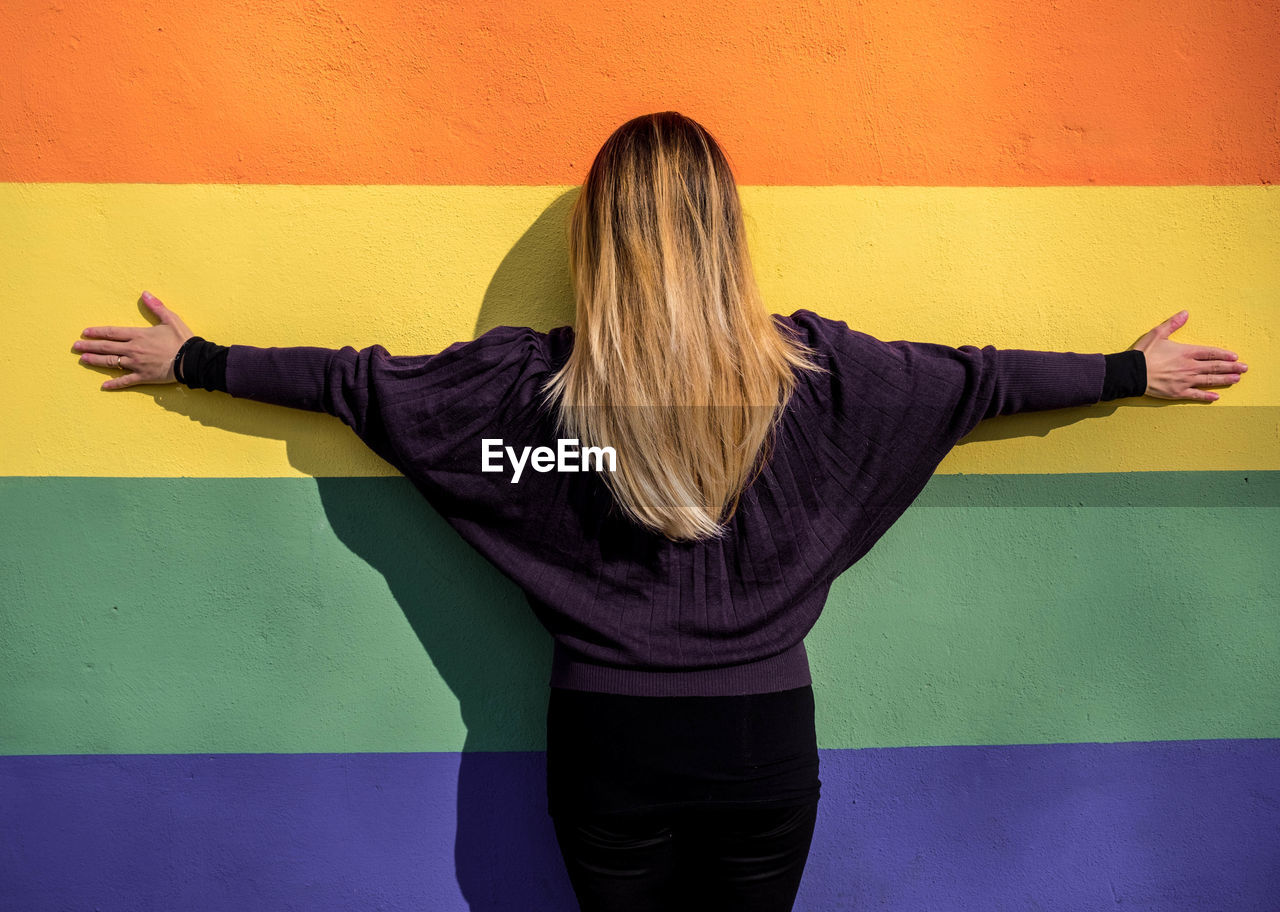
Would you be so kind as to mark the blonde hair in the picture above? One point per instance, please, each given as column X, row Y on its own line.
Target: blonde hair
column 676, row 362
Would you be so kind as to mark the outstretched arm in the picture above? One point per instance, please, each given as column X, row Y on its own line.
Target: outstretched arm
column 901, row 406
column 969, row 384
column 338, row 381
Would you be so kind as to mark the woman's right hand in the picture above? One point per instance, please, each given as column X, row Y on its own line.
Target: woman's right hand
column 1175, row 370
column 150, row 349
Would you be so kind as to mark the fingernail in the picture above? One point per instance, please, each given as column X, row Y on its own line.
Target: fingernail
column 146, row 295
column 1182, row 313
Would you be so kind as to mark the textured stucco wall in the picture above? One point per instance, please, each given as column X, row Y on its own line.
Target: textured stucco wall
column 1053, row 684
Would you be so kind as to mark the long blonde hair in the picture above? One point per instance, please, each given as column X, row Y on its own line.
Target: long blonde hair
column 676, row 362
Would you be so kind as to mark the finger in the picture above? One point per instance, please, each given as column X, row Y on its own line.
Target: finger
column 1220, row 354
column 157, row 307
column 119, row 333
column 104, row 361
column 106, row 348
column 1222, row 367
column 1217, row 379
column 127, row 380
column 1202, row 395
column 1177, row 321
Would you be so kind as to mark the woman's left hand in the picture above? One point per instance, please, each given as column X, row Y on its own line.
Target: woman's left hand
column 146, row 352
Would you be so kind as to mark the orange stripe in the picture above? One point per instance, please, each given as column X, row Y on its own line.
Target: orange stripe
column 950, row 93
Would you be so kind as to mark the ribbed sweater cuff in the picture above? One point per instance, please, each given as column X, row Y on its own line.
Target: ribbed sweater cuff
column 204, row 364
column 783, row 671
column 1126, row 375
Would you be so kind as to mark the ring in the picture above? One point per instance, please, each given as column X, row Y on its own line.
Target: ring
column 117, row 364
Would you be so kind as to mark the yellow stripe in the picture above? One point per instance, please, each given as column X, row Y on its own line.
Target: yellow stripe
column 416, row 267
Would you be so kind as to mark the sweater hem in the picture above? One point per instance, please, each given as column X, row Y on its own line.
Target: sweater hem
column 783, row 671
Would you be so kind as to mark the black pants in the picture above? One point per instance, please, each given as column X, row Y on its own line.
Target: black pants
column 706, row 858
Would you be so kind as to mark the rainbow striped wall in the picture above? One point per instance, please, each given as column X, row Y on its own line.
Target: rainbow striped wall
column 1053, row 685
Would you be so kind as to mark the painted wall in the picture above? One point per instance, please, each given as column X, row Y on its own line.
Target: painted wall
column 1053, row 685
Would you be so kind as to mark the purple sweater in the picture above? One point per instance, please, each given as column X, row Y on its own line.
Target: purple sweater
column 629, row 610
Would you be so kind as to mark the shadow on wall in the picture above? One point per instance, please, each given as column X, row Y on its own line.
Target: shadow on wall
column 474, row 624
column 531, row 286
column 496, row 664
column 495, row 657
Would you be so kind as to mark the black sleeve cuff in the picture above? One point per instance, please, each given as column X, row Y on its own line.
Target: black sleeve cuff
column 204, row 365
column 1126, row 375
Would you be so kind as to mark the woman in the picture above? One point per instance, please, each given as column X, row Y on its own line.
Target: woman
column 758, row 456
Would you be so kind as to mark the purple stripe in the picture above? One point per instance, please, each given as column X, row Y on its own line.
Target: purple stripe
column 1150, row 825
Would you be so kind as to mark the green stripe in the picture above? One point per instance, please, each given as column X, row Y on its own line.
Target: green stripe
column 275, row 615
column 1112, row 489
